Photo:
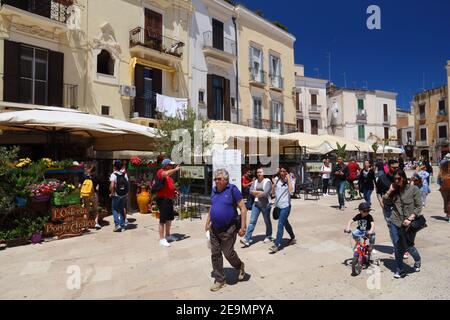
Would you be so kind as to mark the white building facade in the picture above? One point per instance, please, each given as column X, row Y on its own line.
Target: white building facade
column 213, row 50
column 310, row 103
column 364, row 115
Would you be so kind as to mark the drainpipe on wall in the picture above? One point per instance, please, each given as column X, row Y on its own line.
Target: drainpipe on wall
column 237, row 69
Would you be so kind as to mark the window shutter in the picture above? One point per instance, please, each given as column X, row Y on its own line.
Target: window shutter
column 11, row 77
column 227, row 98
column 272, row 118
column 210, row 97
column 250, row 57
column 282, row 117
column 139, row 101
column 157, row 81
column 55, row 78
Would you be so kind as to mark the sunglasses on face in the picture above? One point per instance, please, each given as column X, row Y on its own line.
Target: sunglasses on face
column 366, row 211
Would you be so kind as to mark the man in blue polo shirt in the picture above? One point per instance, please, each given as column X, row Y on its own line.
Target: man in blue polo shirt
column 224, row 224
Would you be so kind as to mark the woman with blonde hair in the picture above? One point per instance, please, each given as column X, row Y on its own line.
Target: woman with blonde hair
column 444, row 182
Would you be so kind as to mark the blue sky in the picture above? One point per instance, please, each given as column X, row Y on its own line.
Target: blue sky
column 413, row 44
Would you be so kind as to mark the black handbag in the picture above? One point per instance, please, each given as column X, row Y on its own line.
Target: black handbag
column 276, row 213
column 418, row 224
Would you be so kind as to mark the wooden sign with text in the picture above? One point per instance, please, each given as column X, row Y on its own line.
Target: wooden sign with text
column 74, row 222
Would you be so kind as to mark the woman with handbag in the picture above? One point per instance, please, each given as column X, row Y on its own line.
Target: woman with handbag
column 282, row 188
column 405, row 221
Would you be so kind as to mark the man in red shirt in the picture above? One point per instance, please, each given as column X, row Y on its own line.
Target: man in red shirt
column 164, row 200
column 353, row 172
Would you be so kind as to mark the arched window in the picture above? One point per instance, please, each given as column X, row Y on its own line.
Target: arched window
column 105, row 63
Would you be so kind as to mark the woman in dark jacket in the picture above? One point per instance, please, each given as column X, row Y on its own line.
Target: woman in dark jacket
column 406, row 203
column 367, row 181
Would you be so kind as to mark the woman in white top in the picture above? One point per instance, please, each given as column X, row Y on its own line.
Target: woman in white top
column 325, row 171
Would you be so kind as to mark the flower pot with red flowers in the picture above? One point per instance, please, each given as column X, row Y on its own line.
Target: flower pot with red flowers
column 42, row 192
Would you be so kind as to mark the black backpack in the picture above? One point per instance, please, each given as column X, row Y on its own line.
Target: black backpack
column 122, row 185
column 157, row 184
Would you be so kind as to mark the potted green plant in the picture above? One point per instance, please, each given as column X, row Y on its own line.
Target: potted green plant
column 341, row 151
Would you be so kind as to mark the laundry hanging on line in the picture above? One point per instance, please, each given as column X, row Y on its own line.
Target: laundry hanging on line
column 169, row 106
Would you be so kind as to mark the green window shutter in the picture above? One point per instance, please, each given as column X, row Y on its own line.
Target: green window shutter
column 362, row 133
column 360, row 104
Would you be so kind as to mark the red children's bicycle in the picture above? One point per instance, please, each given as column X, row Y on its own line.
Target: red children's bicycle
column 362, row 255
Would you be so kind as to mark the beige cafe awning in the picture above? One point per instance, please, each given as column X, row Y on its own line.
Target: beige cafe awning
column 107, row 134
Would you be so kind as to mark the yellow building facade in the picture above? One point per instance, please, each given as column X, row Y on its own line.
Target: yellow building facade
column 266, row 74
column 90, row 55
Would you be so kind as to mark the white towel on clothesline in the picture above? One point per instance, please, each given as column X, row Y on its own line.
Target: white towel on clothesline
column 169, row 106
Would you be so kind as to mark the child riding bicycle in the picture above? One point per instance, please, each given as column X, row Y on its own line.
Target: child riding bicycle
column 366, row 225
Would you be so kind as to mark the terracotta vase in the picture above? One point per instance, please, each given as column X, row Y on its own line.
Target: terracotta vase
column 143, row 200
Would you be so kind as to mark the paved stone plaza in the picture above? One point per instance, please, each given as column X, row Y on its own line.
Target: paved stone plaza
column 132, row 265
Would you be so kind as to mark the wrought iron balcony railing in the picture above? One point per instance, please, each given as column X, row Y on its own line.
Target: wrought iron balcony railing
column 154, row 40
column 52, row 9
column 228, row 45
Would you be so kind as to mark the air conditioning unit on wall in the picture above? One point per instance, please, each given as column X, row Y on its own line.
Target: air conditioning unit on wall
column 127, row 91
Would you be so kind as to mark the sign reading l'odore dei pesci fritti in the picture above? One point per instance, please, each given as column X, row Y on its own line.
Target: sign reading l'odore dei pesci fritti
column 69, row 222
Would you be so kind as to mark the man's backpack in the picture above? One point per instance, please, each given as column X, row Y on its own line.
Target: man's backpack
column 157, row 184
column 122, row 185
column 87, row 189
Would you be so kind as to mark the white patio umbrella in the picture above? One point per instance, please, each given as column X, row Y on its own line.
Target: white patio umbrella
column 107, row 134
column 389, row 150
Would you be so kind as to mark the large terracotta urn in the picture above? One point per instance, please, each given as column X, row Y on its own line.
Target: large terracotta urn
column 143, row 200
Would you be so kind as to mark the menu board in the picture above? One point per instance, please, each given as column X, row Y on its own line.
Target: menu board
column 231, row 161
column 191, row 172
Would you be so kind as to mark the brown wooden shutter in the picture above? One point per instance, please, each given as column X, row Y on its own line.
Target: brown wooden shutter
column 227, row 98
column 139, row 101
column 55, row 78
column 217, row 34
column 210, row 97
column 314, row 100
column 297, row 101
column 11, row 77
column 157, row 81
column 153, row 28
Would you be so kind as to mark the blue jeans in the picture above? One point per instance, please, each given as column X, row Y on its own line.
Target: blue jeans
column 284, row 223
column 118, row 209
column 387, row 212
column 399, row 252
column 368, row 196
column 341, row 193
column 254, row 219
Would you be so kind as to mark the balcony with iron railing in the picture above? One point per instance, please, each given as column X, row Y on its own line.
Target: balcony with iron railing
column 276, row 82
column 219, row 50
column 442, row 142
column 422, row 143
column 315, row 109
column 257, row 77
column 272, row 126
column 361, row 116
column 386, row 119
column 145, row 106
column 148, row 39
column 55, row 10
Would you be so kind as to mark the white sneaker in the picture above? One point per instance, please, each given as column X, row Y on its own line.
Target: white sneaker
column 268, row 240
column 164, row 243
column 126, row 223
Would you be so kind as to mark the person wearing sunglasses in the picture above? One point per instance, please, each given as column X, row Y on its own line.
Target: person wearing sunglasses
column 366, row 224
column 406, row 202
column 224, row 224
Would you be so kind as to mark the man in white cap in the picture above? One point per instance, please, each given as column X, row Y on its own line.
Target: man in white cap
column 165, row 194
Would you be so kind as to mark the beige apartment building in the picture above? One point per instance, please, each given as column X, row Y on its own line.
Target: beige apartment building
column 431, row 123
column 104, row 57
column 266, row 74
column 310, row 103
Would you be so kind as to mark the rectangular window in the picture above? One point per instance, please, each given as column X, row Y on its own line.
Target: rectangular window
column 201, row 97
column 277, row 115
column 409, row 135
column 297, row 101
column 314, row 99
column 218, row 42
column 442, row 111
column 33, row 75
column 256, row 64
column 442, row 132
column 300, row 125
column 105, row 110
column 386, row 133
column 422, row 111
column 275, row 72
column 315, row 127
column 257, row 112
column 360, row 104
column 423, row 134
column 385, row 113
column 362, row 133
